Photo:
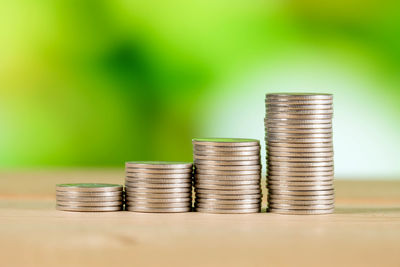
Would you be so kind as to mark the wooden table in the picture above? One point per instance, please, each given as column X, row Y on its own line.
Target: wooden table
column 364, row 231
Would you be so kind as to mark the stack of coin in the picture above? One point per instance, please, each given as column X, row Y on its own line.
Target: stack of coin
column 89, row 197
column 158, row 186
column 299, row 153
column 227, row 175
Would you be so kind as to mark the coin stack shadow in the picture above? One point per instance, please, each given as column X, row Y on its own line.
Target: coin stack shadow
column 153, row 186
column 227, row 175
column 89, row 197
column 299, row 153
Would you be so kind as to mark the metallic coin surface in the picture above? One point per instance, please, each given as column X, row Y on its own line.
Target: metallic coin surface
column 89, row 194
column 301, row 164
column 284, row 106
column 228, row 167
column 130, row 171
column 282, row 186
column 88, row 199
column 300, row 154
column 300, row 183
column 226, row 153
column 158, row 181
column 227, row 192
column 300, row 169
column 89, row 204
column 301, row 212
column 302, row 202
column 283, row 130
column 158, row 164
column 200, row 185
column 225, row 162
column 299, row 145
column 300, row 198
column 256, row 177
column 273, row 140
column 235, row 158
column 159, row 200
column 74, row 208
column 284, row 136
column 227, row 182
column 212, row 201
column 273, row 178
column 301, row 96
column 142, row 204
column 225, row 211
column 271, row 124
column 300, row 207
column 129, row 190
column 227, row 197
column 152, row 185
column 225, row 142
column 159, row 176
column 227, row 173
column 298, row 121
column 158, row 210
column 300, row 192
column 156, row 196
column 225, row 148
column 228, row 206
column 88, row 187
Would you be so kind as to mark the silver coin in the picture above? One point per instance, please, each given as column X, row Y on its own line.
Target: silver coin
column 225, row 142
column 130, row 171
column 89, row 194
column 159, row 200
column 299, row 135
column 225, row 148
column 158, row 205
column 129, row 190
column 283, row 186
column 226, row 153
column 199, row 185
column 219, row 158
column 277, row 110
column 158, row 165
column 224, row 162
column 276, row 101
column 227, row 192
column 74, row 208
column 300, row 207
column 300, row 212
column 160, row 176
column 299, row 159
column 159, row 186
column 300, row 193
column 302, row 202
column 158, row 210
column 302, row 141
column 300, row 150
column 90, row 204
column 300, row 154
column 297, row 121
column 300, row 183
column 227, row 173
column 283, row 125
column 290, row 170
column 300, row 106
column 88, row 199
column 228, row 182
column 224, row 211
column 159, row 181
column 281, row 115
column 228, row 206
column 227, row 197
column 156, row 196
column 213, row 201
column 299, row 145
column 300, row 164
column 273, row 197
column 228, row 168
column 88, row 187
column 282, row 130
column 301, row 96
column 299, row 178
column 256, row 177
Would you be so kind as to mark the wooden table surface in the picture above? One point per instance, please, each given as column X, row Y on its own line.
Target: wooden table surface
column 364, row 231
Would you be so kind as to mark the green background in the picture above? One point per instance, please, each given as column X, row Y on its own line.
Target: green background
column 97, row 83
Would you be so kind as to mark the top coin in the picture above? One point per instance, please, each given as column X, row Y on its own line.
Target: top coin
column 159, row 164
column 225, row 142
column 89, row 187
column 300, row 96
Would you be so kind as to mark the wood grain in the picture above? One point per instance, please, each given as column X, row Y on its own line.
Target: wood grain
column 364, row 231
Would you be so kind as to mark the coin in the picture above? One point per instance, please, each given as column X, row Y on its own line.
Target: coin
column 283, row 130
column 200, row 195
column 273, row 140
column 301, row 154
column 225, row 142
column 152, row 185
column 88, row 199
column 288, row 197
column 74, row 208
column 89, row 194
column 256, row 177
column 227, row 192
column 212, row 201
column 236, row 158
column 158, row 210
column 200, row 185
column 198, row 148
column 300, row 192
column 282, row 186
column 88, row 187
column 302, row 202
column 129, row 190
column 225, row 211
column 226, row 153
column 224, row 162
column 227, row 173
column 228, row 182
column 281, row 115
column 300, row 96
column 228, row 206
column 299, row 159
column 158, row 205
column 228, row 168
column 298, row 106
column 299, row 145
column 130, row 171
column 158, row 200
column 300, row 178
column 275, row 110
column 157, row 196
column 289, row 169
column 300, row 207
column 159, row 176
column 301, row 212
column 298, row 121
column 158, row 165
column 300, row 150
column 282, row 135
column 300, row 183
column 89, row 204
column 158, row 181
column 301, row 164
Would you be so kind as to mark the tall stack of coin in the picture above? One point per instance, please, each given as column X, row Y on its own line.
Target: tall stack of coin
column 299, row 153
column 227, row 175
column 158, row 186
column 89, row 197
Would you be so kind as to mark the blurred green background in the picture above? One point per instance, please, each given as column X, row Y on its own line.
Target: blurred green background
column 97, row 83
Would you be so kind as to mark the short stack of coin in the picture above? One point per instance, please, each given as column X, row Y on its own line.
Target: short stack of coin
column 227, row 175
column 89, row 197
column 158, row 186
column 299, row 153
